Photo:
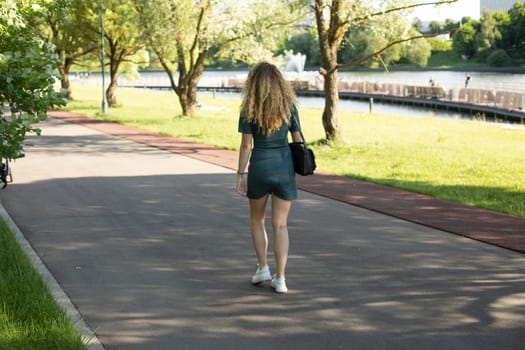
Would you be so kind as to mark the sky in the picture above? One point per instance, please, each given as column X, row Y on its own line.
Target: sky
column 455, row 11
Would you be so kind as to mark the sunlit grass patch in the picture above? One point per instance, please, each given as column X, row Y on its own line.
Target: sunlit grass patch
column 29, row 317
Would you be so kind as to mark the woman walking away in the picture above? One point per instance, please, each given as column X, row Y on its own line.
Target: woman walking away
column 267, row 114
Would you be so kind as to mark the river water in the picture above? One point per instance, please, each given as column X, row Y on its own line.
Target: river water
column 362, row 107
column 448, row 79
column 496, row 81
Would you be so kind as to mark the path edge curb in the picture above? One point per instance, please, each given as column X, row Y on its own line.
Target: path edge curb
column 88, row 337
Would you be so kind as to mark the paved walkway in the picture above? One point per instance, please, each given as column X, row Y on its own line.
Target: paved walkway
column 151, row 245
column 484, row 225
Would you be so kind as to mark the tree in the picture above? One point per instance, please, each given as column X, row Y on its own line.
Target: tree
column 451, row 24
column 502, row 20
column 463, row 40
column 62, row 23
column 361, row 42
column 27, row 78
column 418, row 24
column 122, row 37
column 435, row 26
column 184, row 33
column 516, row 32
column 488, row 35
column 465, row 19
column 334, row 18
column 498, row 58
column 418, row 52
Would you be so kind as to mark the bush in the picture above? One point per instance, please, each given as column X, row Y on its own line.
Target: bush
column 418, row 52
column 498, row 58
column 27, row 77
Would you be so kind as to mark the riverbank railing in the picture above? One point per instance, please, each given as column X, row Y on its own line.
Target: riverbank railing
column 505, row 100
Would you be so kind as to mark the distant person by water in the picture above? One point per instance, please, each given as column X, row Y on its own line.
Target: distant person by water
column 467, row 80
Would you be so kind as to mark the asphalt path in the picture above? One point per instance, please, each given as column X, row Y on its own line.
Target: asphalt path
column 153, row 249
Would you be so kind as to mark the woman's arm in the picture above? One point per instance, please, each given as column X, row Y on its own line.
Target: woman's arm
column 244, row 155
column 296, row 136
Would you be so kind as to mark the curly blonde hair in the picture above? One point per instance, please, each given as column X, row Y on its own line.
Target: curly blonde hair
column 267, row 98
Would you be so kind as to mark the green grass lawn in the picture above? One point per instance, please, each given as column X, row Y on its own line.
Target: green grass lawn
column 29, row 318
column 449, row 59
column 472, row 162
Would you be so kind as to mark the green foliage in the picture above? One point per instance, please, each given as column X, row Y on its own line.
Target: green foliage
column 184, row 34
column 124, row 46
column 418, row 52
column 451, row 24
column 418, row 25
column 64, row 24
column 499, row 58
column 179, row 31
column 516, row 33
column 307, row 43
column 488, row 35
column 463, row 40
column 465, row 19
column 435, row 27
column 214, row 62
column 27, row 78
column 362, row 42
column 494, row 31
column 438, row 45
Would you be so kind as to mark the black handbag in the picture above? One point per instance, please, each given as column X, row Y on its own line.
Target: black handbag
column 303, row 157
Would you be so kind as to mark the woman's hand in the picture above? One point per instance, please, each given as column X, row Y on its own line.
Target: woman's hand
column 244, row 155
column 241, row 185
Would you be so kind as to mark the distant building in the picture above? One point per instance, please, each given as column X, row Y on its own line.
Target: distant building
column 496, row 5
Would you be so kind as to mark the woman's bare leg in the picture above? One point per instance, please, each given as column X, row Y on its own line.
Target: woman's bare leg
column 280, row 211
column 258, row 229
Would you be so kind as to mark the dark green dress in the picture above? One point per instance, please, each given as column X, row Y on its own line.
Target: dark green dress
column 271, row 166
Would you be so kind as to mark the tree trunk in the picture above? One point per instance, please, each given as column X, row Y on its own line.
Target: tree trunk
column 188, row 99
column 187, row 104
column 65, row 83
column 188, row 81
column 331, row 94
column 330, row 121
column 111, row 92
column 330, row 30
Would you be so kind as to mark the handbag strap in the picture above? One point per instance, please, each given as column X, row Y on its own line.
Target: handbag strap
column 300, row 131
column 304, row 140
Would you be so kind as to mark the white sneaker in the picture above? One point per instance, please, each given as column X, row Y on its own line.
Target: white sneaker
column 262, row 274
column 279, row 284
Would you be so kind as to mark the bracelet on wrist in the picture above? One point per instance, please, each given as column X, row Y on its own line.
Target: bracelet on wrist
column 240, row 172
